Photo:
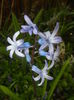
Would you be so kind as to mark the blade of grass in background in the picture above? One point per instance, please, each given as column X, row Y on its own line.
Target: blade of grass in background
column 8, row 92
column 55, row 82
column 15, row 23
column 36, row 20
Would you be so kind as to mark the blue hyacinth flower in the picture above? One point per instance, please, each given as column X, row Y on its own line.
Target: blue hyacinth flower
column 30, row 28
column 48, row 40
column 41, row 73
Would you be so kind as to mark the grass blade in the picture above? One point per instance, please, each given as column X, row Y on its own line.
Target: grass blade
column 8, row 92
column 36, row 20
column 15, row 22
column 55, row 82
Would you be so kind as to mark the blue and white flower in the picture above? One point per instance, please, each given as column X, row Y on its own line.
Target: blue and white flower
column 42, row 73
column 48, row 40
column 14, row 44
column 31, row 27
column 18, row 46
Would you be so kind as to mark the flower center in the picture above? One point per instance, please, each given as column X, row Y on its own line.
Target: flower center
column 15, row 45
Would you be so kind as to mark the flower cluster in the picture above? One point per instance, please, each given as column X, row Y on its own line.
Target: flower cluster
column 49, row 48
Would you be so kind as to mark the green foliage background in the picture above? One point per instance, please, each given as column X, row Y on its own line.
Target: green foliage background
column 16, row 75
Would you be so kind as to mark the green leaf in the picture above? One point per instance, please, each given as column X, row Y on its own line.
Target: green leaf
column 8, row 92
column 15, row 23
column 36, row 20
column 55, row 82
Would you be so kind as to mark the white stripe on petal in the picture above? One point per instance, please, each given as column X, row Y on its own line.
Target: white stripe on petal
column 25, row 27
column 55, row 29
column 46, row 65
column 36, row 78
column 11, row 53
column 35, row 31
column 19, row 53
column 28, row 21
column 15, row 35
column 22, row 31
column 52, row 64
column 48, row 77
column 9, row 48
column 51, row 49
column 36, row 69
column 19, row 42
column 41, row 35
column 57, row 39
column 43, row 46
column 10, row 41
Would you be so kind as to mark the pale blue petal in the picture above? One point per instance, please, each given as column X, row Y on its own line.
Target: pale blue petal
column 20, row 54
column 41, row 35
column 9, row 47
column 25, row 45
column 11, row 53
column 10, row 41
column 23, row 31
column 51, row 49
column 15, row 35
column 51, row 65
column 57, row 39
column 36, row 69
column 43, row 46
column 36, row 78
column 41, row 41
column 46, row 65
column 20, row 42
column 25, row 27
column 30, row 31
column 28, row 20
column 28, row 58
column 42, row 81
column 35, row 31
column 48, row 77
column 55, row 29
column 42, row 53
column 49, row 57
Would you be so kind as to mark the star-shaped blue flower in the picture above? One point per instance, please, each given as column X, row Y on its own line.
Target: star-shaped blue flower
column 18, row 46
column 42, row 73
column 30, row 28
column 48, row 40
